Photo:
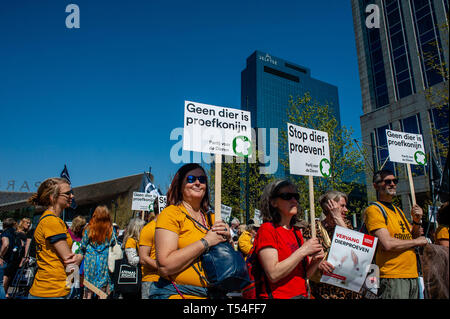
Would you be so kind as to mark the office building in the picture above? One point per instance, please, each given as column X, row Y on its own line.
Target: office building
column 395, row 72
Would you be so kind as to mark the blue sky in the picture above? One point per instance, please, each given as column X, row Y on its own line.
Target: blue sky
column 104, row 98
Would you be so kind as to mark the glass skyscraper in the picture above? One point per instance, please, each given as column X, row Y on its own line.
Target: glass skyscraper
column 267, row 83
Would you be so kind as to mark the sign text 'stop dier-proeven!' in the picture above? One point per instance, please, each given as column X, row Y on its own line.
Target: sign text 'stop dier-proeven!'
column 216, row 130
column 406, row 148
column 308, row 151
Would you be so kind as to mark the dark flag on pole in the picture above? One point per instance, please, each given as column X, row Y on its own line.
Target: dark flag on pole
column 65, row 174
column 147, row 185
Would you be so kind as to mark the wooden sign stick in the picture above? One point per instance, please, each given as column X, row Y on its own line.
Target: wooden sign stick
column 218, row 188
column 411, row 184
column 311, row 207
column 100, row 293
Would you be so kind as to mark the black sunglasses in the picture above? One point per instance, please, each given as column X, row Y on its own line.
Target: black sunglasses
column 68, row 193
column 389, row 181
column 288, row 196
column 191, row 179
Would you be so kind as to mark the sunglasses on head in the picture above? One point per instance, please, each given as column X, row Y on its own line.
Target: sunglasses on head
column 288, row 196
column 389, row 181
column 191, row 179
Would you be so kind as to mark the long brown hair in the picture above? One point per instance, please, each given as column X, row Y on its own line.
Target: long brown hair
column 175, row 193
column 100, row 225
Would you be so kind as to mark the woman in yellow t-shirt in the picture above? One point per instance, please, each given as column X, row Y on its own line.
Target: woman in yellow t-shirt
column 179, row 238
column 53, row 242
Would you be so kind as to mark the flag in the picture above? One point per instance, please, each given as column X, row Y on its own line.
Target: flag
column 434, row 174
column 147, row 186
column 444, row 182
column 65, row 174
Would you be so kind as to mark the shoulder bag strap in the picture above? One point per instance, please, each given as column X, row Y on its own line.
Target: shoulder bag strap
column 383, row 212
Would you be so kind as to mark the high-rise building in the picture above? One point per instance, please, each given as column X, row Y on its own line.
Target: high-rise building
column 267, row 83
column 397, row 60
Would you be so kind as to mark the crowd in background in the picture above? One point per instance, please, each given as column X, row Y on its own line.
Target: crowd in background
column 163, row 254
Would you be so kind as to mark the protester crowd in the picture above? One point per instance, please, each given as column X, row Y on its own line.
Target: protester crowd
column 164, row 258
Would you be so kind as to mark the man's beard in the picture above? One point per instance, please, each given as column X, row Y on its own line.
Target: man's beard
column 391, row 191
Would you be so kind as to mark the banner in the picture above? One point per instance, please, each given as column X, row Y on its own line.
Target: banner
column 309, row 152
column 143, row 201
column 216, row 130
column 406, row 148
column 351, row 254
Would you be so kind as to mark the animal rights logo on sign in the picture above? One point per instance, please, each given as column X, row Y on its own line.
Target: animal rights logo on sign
column 406, row 148
column 308, row 151
column 217, row 130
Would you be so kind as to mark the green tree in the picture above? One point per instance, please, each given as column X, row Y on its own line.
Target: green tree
column 346, row 162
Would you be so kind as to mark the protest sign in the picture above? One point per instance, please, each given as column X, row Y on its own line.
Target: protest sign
column 257, row 217
column 162, row 203
column 308, row 151
column 220, row 131
column 217, row 130
column 142, row 201
column 406, row 148
column 226, row 213
column 351, row 254
column 308, row 155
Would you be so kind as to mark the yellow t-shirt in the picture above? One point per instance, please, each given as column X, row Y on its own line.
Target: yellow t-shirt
column 245, row 242
column 441, row 233
column 174, row 218
column 147, row 238
column 131, row 243
column 392, row 264
column 50, row 279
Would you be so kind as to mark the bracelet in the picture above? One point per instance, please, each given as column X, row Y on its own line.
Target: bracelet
column 205, row 243
column 418, row 224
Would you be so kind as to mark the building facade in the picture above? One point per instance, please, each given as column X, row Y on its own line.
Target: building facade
column 267, row 83
column 397, row 60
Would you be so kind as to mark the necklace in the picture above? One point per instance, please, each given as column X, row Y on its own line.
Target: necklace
column 190, row 211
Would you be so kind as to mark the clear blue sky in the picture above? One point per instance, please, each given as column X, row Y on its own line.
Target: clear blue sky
column 104, row 98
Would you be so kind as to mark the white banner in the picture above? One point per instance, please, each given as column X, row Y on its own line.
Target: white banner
column 406, row 148
column 217, row 130
column 309, row 152
column 351, row 254
column 142, row 201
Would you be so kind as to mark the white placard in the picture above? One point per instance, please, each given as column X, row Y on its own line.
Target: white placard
column 142, row 201
column 351, row 254
column 309, row 152
column 226, row 213
column 162, row 203
column 257, row 217
column 405, row 148
column 216, row 130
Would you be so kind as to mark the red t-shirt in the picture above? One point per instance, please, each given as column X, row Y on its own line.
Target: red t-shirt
column 284, row 241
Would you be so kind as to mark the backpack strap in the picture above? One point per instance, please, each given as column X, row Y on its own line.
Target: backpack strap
column 383, row 212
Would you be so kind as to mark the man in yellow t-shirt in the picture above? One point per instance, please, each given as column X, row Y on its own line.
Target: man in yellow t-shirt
column 395, row 255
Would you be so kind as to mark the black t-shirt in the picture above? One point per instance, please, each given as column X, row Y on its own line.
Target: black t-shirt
column 10, row 234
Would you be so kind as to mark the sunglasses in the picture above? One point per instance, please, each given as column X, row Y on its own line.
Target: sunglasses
column 288, row 196
column 68, row 193
column 191, row 179
column 389, row 181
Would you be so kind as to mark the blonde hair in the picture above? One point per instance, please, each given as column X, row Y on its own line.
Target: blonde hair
column 47, row 191
column 331, row 195
column 20, row 227
column 78, row 224
column 133, row 229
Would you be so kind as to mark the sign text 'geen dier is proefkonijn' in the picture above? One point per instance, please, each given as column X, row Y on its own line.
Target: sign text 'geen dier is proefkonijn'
column 351, row 254
column 405, row 148
column 216, row 130
column 309, row 153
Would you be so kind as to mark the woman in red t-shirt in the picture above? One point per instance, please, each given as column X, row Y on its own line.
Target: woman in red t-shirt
column 280, row 247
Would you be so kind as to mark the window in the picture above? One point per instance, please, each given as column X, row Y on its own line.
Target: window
column 382, row 150
column 281, row 74
column 439, row 118
column 294, row 67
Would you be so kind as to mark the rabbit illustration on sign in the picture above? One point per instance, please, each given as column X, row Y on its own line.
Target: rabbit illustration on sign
column 353, row 272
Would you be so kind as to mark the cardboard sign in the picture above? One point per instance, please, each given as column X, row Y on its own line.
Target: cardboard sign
column 226, row 213
column 309, row 152
column 216, row 130
column 351, row 254
column 142, row 201
column 406, row 148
